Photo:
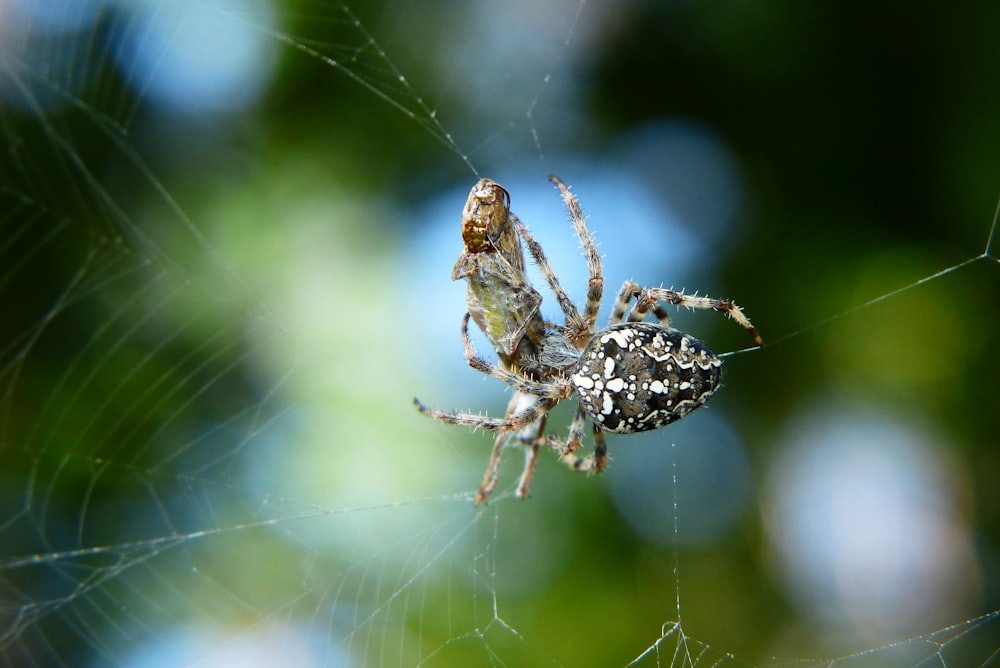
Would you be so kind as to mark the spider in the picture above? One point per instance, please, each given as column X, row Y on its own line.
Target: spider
column 629, row 377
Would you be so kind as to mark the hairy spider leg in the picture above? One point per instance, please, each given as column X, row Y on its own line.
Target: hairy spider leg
column 567, row 448
column 595, row 283
column 594, row 463
column 531, row 442
column 527, row 390
column 476, row 421
column 579, row 327
column 661, row 314
column 536, row 392
column 623, row 301
column 557, row 390
column 527, row 410
column 573, row 319
column 650, row 296
column 648, row 299
column 628, row 291
column 530, row 460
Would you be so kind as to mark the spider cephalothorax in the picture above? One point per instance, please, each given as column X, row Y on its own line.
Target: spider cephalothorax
column 631, row 376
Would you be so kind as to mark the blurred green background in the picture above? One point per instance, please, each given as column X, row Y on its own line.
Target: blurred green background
column 227, row 236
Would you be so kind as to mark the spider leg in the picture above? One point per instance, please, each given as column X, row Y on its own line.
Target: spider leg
column 600, row 450
column 530, row 459
column 578, row 326
column 531, row 446
column 512, row 423
column 526, row 412
column 572, row 443
column 595, row 283
column 661, row 314
column 596, row 462
column 573, row 319
column 647, row 300
column 567, row 449
column 529, row 436
column 628, row 291
column 492, row 473
column 559, row 388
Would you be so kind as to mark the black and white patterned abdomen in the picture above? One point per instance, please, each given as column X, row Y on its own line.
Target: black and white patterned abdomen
column 638, row 376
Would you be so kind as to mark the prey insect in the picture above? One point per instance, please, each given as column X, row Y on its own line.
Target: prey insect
column 630, row 376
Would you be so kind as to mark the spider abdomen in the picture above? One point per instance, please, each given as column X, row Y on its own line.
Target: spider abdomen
column 638, row 376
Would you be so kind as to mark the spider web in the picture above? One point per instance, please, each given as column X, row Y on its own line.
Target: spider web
column 227, row 232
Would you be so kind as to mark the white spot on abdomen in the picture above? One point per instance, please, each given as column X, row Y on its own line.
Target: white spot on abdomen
column 621, row 337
